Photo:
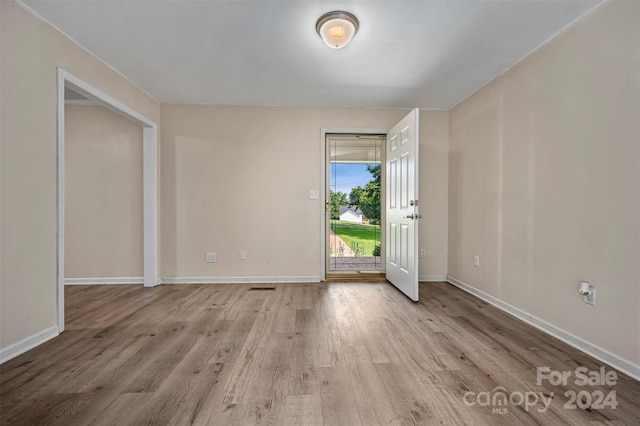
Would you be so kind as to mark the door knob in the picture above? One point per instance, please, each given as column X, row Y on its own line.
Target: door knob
column 413, row 216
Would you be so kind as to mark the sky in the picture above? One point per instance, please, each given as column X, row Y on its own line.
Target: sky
column 347, row 176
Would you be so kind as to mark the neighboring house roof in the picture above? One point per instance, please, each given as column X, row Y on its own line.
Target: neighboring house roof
column 354, row 209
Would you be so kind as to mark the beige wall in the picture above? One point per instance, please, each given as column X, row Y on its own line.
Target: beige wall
column 545, row 186
column 238, row 178
column 434, row 192
column 103, row 194
column 30, row 51
column 223, row 169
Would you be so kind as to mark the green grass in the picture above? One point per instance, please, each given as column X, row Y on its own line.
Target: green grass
column 353, row 225
column 366, row 236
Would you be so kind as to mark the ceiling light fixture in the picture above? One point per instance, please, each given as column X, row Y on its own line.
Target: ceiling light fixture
column 337, row 28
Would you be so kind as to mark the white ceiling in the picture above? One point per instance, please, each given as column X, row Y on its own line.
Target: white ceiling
column 427, row 54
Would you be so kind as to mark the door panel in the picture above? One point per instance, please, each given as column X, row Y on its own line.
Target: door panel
column 393, row 234
column 393, row 166
column 404, row 181
column 402, row 205
column 404, row 248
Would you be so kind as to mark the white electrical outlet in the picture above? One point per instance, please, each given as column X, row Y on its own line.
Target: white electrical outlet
column 243, row 255
column 423, row 253
column 588, row 292
column 591, row 297
column 314, row 194
column 210, row 258
column 476, row 261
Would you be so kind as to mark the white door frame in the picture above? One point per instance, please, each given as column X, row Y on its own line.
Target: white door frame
column 323, row 190
column 149, row 180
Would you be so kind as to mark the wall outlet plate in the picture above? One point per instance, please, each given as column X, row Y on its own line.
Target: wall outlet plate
column 591, row 298
column 210, row 258
column 314, row 194
column 243, row 255
column 476, row 261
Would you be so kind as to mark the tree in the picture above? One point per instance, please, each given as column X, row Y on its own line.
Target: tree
column 337, row 199
column 370, row 196
column 376, row 171
column 354, row 195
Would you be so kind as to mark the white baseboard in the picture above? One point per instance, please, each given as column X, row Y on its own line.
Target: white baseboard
column 238, row 280
column 27, row 343
column 104, row 280
column 598, row 353
column 432, row 278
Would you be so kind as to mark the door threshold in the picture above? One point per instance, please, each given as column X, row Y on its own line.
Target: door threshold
column 355, row 276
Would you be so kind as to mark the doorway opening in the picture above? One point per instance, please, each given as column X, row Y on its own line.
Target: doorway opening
column 149, row 180
column 103, row 195
column 354, row 200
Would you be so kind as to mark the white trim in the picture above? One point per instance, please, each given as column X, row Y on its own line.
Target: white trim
column 60, row 202
column 150, row 212
column 80, row 102
column 323, row 184
column 149, row 180
column 432, row 278
column 239, row 280
column 627, row 367
column 28, row 343
column 104, row 280
column 88, row 91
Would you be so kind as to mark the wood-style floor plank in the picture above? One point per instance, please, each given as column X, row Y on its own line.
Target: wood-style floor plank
column 339, row 353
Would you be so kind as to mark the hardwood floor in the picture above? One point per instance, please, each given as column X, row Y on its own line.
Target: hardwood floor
column 302, row 354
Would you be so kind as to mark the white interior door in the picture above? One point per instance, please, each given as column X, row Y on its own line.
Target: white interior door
column 402, row 205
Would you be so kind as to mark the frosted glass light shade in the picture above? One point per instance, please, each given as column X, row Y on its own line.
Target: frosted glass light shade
column 337, row 28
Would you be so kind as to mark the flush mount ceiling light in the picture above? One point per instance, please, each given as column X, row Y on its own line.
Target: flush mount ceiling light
column 337, row 28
